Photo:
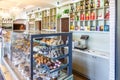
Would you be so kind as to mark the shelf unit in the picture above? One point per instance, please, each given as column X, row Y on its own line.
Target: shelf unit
column 50, row 48
column 38, row 15
column 34, row 16
column 7, row 23
column 84, row 15
column 46, row 16
column 49, row 20
column 45, row 19
column 31, row 21
column 63, row 11
column 31, row 25
column 89, row 15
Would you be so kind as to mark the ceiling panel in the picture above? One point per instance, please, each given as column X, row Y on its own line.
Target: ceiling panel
column 7, row 4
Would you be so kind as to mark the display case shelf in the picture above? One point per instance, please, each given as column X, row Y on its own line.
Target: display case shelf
column 60, row 57
column 57, row 58
column 60, row 68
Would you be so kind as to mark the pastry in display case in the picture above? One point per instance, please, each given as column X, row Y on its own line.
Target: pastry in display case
column 7, row 36
column 39, row 56
column 7, row 43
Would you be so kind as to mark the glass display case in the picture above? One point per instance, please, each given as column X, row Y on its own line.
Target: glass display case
column 7, row 43
column 41, row 56
column 20, row 58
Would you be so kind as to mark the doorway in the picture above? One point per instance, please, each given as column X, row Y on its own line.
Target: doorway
column 64, row 24
column 64, row 27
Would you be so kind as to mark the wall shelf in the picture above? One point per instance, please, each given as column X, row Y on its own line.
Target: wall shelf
column 104, row 32
column 93, row 17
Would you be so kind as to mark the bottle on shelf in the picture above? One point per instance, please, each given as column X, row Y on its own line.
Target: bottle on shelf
column 82, row 5
column 92, row 28
column 106, row 3
column 76, row 26
column 88, row 28
column 92, row 5
column 87, row 16
column 101, row 28
column 92, row 15
column 87, row 4
column 71, row 16
column 82, row 28
column 107, row 15
column 76, row 17
column 82, row 16
column 106, row 27
column 98, row 28
column 72, row 27
column 100, row 15
column 77, row 7
column 72, row 8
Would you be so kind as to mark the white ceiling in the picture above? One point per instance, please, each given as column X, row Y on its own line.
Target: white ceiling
column 25, row 4
column 10, row 8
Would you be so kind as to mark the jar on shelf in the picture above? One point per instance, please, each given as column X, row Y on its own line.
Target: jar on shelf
column 87, row 16
column 92, row 16
column 82, row 16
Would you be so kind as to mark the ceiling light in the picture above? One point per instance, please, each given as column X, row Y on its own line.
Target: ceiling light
column 29, row 6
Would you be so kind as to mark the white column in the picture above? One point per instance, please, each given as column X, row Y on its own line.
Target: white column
column 112, row 40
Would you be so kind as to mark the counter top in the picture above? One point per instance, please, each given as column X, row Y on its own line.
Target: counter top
column 96, row 53
column 6, row 73
column 13, row 76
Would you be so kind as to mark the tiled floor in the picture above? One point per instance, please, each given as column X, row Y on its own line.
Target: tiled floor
column 78, row 76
